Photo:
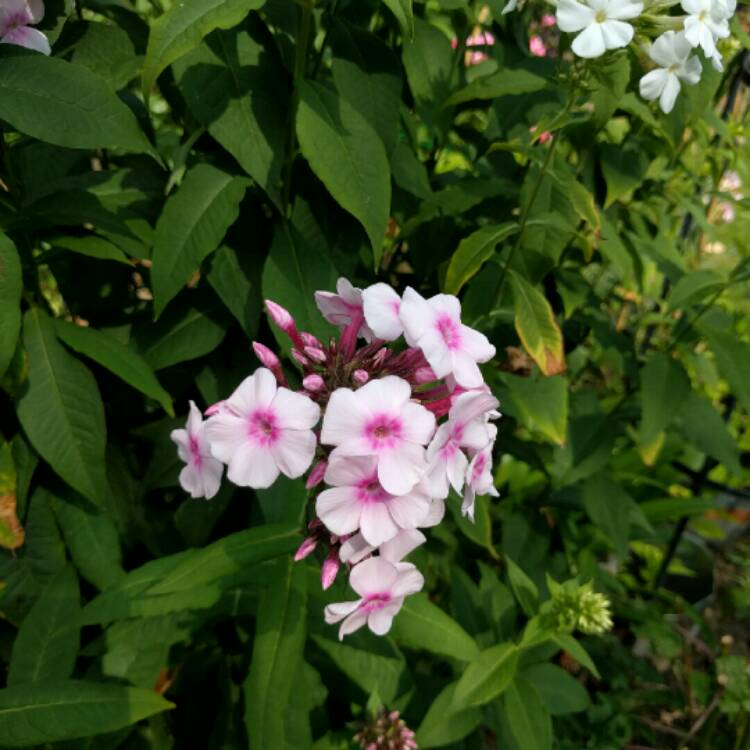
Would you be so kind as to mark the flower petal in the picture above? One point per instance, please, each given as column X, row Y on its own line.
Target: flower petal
column 408, row 511
column 337, row 612
column 354, row 622
column 254, row 392
column 653, row 83
column 226, row 434
column 339, row 510
column 380, row 621
column 381, row 306
column 415, row 315
column 669, row 94
column 406, row 541
column 621, row 11
column 590, row 42
column 384, row 395
column 295, row 410
column 252, row 466
column 373, row 576
column 347, row 471
column 418, row 423
column 294, row 451
column 344, row 418
column 376, row 524
column 617, row 34
column 573, row 16
column 466, row 371
column 400, row 469
column 409, row 581
column 25, row 36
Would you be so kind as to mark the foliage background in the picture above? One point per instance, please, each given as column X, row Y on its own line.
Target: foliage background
column 172, row 165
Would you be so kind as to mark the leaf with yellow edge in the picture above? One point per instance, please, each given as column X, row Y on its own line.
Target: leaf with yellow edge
column 537, row 327
column 11, row 531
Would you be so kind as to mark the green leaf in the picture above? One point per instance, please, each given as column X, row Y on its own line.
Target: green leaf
column 61, row 410
column 733, row 358
column 624, row 168
column 291, row 280
column 47, row 643
column 348, row 156
column 539, row 404
column 611, row 76
column 44, row 712
column 528, row 717
column 231, row 84
column 488, row 676
column 409, row 173
column 64, row 104
column 183, row 26
column 404, row 13
column 116, row 357
column 11, row 287
column 191, row 226
column 610, row 508
column 672, row 508
column 703, row 427
column 614, row 250
column 524, row 589
column 91, row 246
column 561, row 693
column 181, row 334
column 277, row 655
column 235, row 277
column 428, row 59
column 473, row 251
column 368, row 76
column 572, row 647
column 537, row 326
column 445, row 722
column 505, row 82
column 664, row 387
column 423, row 625
column 694, row 287
column 91, row 538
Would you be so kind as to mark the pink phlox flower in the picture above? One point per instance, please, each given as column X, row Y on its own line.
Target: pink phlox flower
column 380, row 420
column 201, row 475
column 479, row 480
column 434, row 325
column 265, row 429
column 466, row 428
column 537, row 46
column 381, row 305
column 356, row 548
column 357, row 501
column 382, row 587
column 16, row 19
column 343, row 307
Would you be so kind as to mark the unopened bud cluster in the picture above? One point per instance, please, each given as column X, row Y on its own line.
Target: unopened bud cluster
column 385, row 431
column 387, row 731
column 577, row 607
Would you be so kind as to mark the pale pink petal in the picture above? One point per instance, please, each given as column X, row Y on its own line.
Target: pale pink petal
column 384, row 395
column 339, row 510
column 355, row 548
column 455, row 470
column 406, row 541
column 437, row 478
column 294, row 451
column 436, row 514
column 436, row 352
column 226, row 434
column 182, row 440
column 408, row 511
column 25, row 36
column 415, row 315
column 36, row 9
column 295, row 410
column 373, row 576
column 381, row 306
column 409, row 581
column 195, row 420
column 400, row 469
column 13, row 11
column 476, row 345
column 476, row 435
column 348, row 471
column 376, row 524
column 471, row 405
column 418, row 423
column 381, row 620
column 445, row 304
column 441, row 437
column 191, row 481
column 254, row 392
column 337, row 612
column 352, row 623
column 333, row 308
column 467, row 506
column 344, row 418
column 212, row 472
column 466, row 371
column 252, row 466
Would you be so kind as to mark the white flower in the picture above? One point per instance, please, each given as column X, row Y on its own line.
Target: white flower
column 671, row 52
column 601, row 23
column 510, row 6
column 707, row 21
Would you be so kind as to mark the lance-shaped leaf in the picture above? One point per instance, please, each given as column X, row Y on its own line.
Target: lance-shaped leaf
column 181, row 28
column 487, row 676
column 64, row 104
column 11, row 531
column 61, row 410
column 404, row 13
column 116, row 357
column 347, row 155
column 473, row 252
column 191, row 226
column 38, row 713
column 11, row 286
column 537, row 327
column 47, row 643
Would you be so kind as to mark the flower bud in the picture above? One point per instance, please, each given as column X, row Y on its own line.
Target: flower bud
column 330, row 570
column 360, row 376
column 313, row 383
column 310, row 340
column 283, row 319
column 270, row 360
column 300, row 358
column 306, row 548
column 315, row 354
column 380, row 356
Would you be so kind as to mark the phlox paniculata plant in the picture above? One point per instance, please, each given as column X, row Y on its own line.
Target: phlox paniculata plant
column 668, row 37
column 384, row 430
column 17, row 21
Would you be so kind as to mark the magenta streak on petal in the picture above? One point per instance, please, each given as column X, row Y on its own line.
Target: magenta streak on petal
column 448, row 450
column 383, row 432
column 262, row 427
column 195, row 452
column 374, row 602
column 481, row 462
column 370, row 491
column 450, row 331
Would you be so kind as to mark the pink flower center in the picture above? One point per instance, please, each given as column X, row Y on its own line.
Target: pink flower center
column 384, row 431
column 370, row 491
column 450, row 331
column 16, row 21
column 374, row 602
column 195, row 451
column 262, row 427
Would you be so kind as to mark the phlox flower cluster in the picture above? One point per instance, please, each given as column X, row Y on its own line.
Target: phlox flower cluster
column 385, row 429
column 16, row 20
column 670, row 40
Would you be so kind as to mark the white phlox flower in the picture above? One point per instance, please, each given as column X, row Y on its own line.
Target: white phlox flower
column 707, row 22
column 671, row 52
column 601, row 24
